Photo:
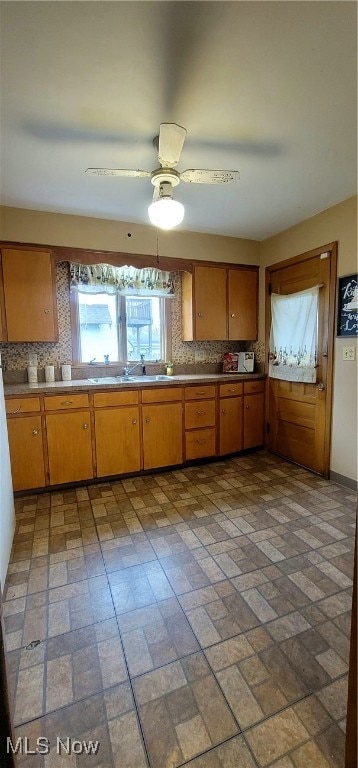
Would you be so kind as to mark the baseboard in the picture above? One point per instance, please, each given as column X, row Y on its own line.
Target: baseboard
column 348, row 482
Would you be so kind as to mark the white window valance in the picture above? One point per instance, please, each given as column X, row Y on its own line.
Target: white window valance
column 127, row 280
column 293, row 337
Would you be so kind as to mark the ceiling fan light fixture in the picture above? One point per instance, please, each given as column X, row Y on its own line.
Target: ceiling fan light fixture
column 164, row 212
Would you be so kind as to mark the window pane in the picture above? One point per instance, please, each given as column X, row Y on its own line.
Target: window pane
column 144, row 328
column 98, row 326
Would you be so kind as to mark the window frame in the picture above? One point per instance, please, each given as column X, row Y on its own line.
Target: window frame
column 165, row 319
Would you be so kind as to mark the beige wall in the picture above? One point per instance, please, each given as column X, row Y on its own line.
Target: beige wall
column 80, row 232
column 337, row 223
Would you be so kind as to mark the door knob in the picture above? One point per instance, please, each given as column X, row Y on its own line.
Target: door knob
column 321, row 386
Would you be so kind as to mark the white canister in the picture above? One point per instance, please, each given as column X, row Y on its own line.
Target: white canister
column 49, row 373
column 66, row 372
column 32, row 374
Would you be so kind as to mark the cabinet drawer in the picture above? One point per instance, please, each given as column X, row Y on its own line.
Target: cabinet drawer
column 230, row 390
column 103, row 399
column 197, row 392
column 162, row 395
column 199, row 443
column 254, row 386
column 65, row 402
column 20, row 405
column 200, row 414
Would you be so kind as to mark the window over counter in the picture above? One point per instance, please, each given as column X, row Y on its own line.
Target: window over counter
column 119, row 314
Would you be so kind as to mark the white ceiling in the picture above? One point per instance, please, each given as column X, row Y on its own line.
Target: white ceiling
column 266, row 88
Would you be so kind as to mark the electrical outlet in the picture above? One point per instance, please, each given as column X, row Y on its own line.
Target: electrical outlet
column 199, row 355
column 32, row 358
column 349, row 353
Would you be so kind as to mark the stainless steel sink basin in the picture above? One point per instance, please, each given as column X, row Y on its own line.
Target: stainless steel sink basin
column 124, row 379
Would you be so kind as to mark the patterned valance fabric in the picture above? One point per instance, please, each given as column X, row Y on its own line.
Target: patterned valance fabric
column 293, row 338
column 130, row 281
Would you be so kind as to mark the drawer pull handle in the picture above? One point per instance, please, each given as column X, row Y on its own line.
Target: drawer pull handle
column 201, row 442
column 232, row 390
column 67, row 402
column 134, row 421
column 17, row 410
column 147, row 419
column 35, row 431
column 85, row 426
column 201, row 413
column 223, row 410
column 200, row 393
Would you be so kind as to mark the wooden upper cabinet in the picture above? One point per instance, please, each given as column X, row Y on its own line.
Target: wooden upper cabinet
column 219, row 303
column 204, row 312
column 242, row 299
column 29, row 295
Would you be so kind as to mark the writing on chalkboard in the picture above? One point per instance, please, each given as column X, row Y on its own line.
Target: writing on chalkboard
column 348, row 306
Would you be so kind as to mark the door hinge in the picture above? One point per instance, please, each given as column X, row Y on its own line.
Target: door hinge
column 267, row 428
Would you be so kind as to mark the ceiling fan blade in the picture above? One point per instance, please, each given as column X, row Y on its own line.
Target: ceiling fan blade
column 171, row 140
column 196, row 176
column 117, row 172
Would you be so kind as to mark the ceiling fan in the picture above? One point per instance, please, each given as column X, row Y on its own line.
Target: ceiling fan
column 164, row 212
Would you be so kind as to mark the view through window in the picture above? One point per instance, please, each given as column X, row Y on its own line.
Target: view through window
column 121, row 327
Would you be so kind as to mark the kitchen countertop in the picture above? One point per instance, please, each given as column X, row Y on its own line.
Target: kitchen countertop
column 80, row 385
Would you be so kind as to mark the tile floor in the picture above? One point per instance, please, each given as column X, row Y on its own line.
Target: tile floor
column 198, row 617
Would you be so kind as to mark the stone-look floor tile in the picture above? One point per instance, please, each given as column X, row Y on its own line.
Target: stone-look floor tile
column 189, row 570
column 108, row 718
column 182, row 711
column 156, row 635
column 233, row 754
column 331, row 743
column 138, row 586
column 217, row 613
column 312, row 714
column 72, row 666
column 334, row 698
column 276, row 736
column 309, row 756
column 126, row 551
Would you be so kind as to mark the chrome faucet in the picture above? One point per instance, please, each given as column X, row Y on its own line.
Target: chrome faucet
column 127, row 371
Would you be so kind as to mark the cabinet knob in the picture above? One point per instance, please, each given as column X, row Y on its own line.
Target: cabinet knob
column 67, row 402
column 201, row 442
column 147, row 419
column 201, row 413
column 35, row 431
column 247, row 407
column 200, row 314
column 232, row 314
column 46, row 311
column 85, row 426
column 223, row 410
column 134, row 421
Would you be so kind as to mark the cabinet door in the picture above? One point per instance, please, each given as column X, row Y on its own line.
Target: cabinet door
column 29, row 285
column 253, row 420
column 210, row 306
column 231, row 439
column 243, row 287
column 26, row 452
column 117, row 441
column 162, row 435
column 69, row 446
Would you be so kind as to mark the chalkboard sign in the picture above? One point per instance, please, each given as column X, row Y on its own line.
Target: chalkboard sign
column 348, row 306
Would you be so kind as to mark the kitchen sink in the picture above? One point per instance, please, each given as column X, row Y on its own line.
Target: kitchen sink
column 124, row 379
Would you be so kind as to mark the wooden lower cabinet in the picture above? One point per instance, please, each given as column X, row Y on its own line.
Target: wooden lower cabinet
column 162, row 435
column 26, row 452
column 69, row 446
column 231, row 425
column 199, row 443
column 253, row 420
column 117, row 438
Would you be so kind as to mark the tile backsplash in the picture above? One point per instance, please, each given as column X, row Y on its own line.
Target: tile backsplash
column 15, row 356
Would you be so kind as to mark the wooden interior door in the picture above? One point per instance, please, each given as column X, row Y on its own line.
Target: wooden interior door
column 299, row 414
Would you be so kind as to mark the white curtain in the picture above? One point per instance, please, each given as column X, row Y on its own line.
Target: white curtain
column 293, row 337
column 104, row 278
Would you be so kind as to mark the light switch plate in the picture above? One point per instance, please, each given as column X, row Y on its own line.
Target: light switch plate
column 32, row 358
column 349, row 353
column 199, row 355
